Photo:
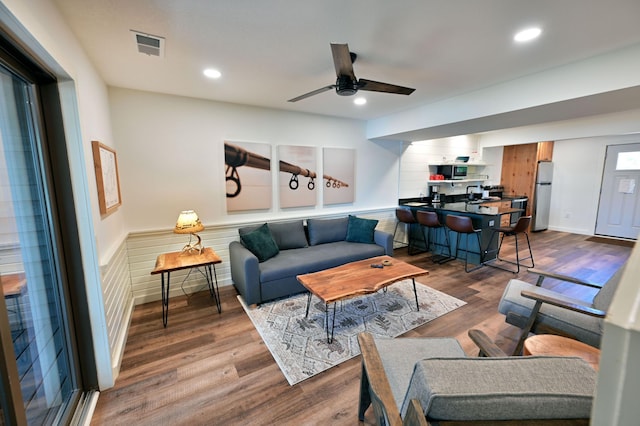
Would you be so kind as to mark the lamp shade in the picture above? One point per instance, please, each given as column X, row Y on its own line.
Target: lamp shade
column 188, row 223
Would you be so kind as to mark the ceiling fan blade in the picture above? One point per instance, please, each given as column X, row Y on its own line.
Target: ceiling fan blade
column 342, row 60
column 376, row 86
column 315, row 92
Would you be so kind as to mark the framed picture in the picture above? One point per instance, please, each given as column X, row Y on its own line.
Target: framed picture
column 247, row 175
column 107, row 180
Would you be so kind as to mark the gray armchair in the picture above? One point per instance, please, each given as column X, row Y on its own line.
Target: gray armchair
column 422, row 381
column 536, row 309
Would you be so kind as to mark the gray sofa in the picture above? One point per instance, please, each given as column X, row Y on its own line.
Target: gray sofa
column 262, row 272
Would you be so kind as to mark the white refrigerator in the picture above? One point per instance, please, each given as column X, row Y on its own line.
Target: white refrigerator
column 542, row 196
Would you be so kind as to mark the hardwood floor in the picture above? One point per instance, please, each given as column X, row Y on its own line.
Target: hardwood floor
column 206, row 368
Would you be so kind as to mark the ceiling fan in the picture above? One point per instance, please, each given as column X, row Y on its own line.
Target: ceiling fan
column 346, row 82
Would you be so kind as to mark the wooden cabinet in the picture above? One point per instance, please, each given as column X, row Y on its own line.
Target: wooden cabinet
column 519, row 166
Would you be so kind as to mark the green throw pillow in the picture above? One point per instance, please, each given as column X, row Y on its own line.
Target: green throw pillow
column 261, row 243
column 361, row 230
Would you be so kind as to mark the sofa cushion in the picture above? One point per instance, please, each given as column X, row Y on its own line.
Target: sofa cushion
column 400, row 355
column 360, row 230
column 513, row 388
column 323, row 231
column 260, row 243
column 289, row 235
column 289, row 263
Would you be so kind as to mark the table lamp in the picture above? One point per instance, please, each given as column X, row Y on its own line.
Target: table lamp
column 189, row 223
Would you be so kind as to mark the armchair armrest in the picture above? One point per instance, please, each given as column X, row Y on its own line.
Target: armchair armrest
column 487, row 346
column 563, row 303
column 374, row 378
column 544, row 274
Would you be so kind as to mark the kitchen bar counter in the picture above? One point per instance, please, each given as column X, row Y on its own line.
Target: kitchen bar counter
column 488, row 208
column 484, row 216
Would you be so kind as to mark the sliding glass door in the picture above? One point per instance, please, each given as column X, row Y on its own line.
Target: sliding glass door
column 40, row 378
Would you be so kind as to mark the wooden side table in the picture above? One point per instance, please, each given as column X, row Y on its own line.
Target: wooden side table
column 12, row 287
column 175, row 261
column 552, row 345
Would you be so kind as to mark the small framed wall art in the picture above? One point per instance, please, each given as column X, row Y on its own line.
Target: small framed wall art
column 107, row 179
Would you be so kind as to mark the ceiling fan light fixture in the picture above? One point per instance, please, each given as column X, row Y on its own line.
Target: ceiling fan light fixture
column 527, row 34
column 345, row 86
column 360, row 101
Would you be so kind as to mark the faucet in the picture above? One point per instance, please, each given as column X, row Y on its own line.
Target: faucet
column 472, row 194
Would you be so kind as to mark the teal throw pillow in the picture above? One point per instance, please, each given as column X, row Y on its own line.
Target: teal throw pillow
column 361, row 230
column 261, row 243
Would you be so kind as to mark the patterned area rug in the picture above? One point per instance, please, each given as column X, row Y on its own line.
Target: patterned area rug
column 299, row 345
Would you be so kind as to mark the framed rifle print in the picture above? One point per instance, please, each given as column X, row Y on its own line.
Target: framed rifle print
column 105, row 163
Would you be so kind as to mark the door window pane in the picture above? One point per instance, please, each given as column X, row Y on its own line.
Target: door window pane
column 628, row 160
column 31, row 280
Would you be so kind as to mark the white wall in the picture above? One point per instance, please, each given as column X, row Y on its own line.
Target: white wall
column 417, row 156
column 578, row 156
column 171, row 157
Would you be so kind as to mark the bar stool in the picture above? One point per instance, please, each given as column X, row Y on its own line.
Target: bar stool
column 462, row 226
column 405, row 216
column 430, row 221
column 521, row 227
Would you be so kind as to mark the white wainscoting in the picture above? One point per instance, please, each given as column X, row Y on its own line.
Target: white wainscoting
column 118, row 302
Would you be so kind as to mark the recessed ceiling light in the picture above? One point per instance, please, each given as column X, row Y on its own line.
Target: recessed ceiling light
column 212, row 73
column 528, row 34
column 360, row 101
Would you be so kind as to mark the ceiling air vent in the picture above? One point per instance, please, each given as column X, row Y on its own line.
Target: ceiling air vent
column 149, row 44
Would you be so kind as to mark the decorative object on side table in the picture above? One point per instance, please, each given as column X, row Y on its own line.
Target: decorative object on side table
column 189, row 223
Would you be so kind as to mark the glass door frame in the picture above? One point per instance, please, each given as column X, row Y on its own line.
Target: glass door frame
column 55, row 169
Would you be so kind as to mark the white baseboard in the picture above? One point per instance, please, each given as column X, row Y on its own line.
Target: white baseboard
column 118, row 351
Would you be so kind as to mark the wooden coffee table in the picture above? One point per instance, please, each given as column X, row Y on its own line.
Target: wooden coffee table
column 356, row 279
column 552, row 345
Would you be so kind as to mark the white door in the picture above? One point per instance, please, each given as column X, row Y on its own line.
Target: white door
column 619, row 207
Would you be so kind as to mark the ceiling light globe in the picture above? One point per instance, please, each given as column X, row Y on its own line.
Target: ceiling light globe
column 212, row 73
column 359, row 101
column 528, row 34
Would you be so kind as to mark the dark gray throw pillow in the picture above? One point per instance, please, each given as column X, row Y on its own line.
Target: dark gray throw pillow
column 326, row 230
column 289, row 235
column 260, row 243
column 361, row 230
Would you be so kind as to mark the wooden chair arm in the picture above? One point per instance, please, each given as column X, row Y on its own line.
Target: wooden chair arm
column 378, row 381
column 487, row 346
column 544, row 274
column 414, row 415
column 562, row 303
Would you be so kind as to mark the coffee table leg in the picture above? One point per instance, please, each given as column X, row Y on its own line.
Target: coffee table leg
column 415, row 293
column 326, row 320
column 306, row 315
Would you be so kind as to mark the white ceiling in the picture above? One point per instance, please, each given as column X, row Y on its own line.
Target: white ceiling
column 271, row 51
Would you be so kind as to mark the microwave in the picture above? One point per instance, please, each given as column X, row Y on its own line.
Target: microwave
column 452, row 171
